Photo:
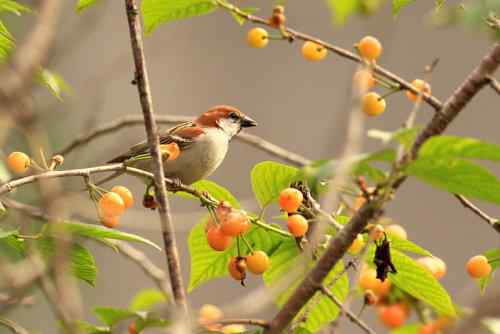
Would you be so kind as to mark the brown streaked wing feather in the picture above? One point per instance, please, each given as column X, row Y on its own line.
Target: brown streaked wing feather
column 182, row 134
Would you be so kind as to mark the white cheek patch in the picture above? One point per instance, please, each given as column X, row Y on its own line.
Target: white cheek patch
column 230, row 127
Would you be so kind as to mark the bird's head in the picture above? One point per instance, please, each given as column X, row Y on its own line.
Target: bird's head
column 227, row 118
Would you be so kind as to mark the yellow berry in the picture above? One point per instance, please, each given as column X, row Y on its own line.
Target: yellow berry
column 363, row 79
column 18, row 162
column 125, row 194
column 257, row 38
column 109, row 221
column 421, row 86
column 313, row 51
column 396, row 230
column 297, row 225
column 356, row 245
column 372, row 104
column 258, row 262
column 233, row 329
column 111, row 204
column 433, row 265
column 369, row 48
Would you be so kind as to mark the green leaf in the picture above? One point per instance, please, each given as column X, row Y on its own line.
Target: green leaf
column 320, row 309
column 460, row 147
column 419, row 283
column 207, row 264
column 269, row 178
column 407, row 246
column 83, row 265
column 7, row 44
column 4, row 233
column 404, row 136
column 100, row 232
column 89, row 328
column 150, row 321
column 157, row 12
column 146, row 299
column 407, row 329
column 397, row 5
column 493, row 256
column 53, row 81
column 240, row 19
column 13, row 7
column 84, row 4
column 457, row 176
column 341, row 10
column 492, row 324
column 111, row 315
column 215, row 190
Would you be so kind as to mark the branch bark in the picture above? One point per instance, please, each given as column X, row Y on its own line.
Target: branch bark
column 340, row 243
column 141, row 78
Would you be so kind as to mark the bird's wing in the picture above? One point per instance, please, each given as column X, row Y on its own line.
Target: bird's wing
column 183, row 134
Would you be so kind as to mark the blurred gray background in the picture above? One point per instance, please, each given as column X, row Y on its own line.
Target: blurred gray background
column 197, row 63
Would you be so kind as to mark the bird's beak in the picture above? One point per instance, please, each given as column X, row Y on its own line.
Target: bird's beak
column 247, row 122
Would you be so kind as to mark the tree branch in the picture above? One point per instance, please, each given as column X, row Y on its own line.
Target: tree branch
column 347, row 312
column 141, row 77
column 494, row 84
column 340, row 243
column 249, row 322
column 294, row 34
column 131, row 120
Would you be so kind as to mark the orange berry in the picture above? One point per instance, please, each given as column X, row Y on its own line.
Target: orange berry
column 172, row 150
column 290, row 200
column 368, row 281
column 429, row 328
column 258, row 262
column 478, row 266
column 436, row 267
column 363, row 79
column 208, row 315
column 111, row 204
column 109, row 221
column 125, row 194
column 237, row 268
column 372, row 104
column 18, row 162
column 132, row 329
column 377, row 232
column 396, row 230
column 257, row 38
column 393, row 316
column 313, row 51
column 297, row 225
column 218, row 240
column 357, row 245
column 421, row 86
column 369, row 48
column 234, row 223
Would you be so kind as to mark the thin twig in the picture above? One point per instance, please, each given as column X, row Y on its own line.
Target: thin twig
column 13, row 326
column 144, row 90
column 346, row 311
column 342, row 240
column 494, row 84
column 242, row 321
column 493, row 222
column 159, row 276
column 132, row 120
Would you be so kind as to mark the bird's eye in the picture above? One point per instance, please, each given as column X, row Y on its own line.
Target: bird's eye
column 234, row 116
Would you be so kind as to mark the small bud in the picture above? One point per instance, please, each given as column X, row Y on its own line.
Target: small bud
column 58, row 159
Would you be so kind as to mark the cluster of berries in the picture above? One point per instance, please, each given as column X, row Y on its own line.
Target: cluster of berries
column 229, row 223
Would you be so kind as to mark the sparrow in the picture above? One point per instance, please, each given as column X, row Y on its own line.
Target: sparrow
column 203, row 144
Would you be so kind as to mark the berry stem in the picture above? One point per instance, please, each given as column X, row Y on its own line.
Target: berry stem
column 270, row 228
column 250, row 248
